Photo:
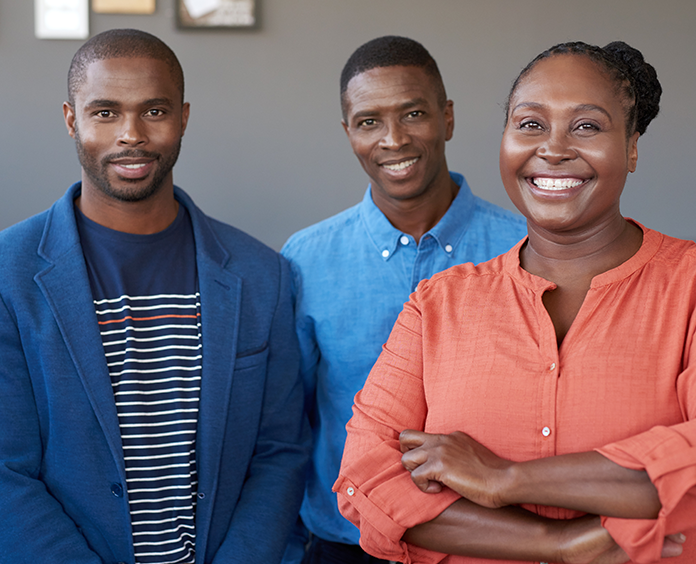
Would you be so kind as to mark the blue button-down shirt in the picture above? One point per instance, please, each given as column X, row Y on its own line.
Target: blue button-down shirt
column 352, row 274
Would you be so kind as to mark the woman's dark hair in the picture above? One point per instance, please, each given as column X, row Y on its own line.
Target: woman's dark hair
column 635, row 79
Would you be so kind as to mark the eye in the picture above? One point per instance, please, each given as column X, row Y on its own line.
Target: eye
column 530, row 125
column 415, row 113
column 104, row 113
column 154, row 112
column 588, row 126
column 369, row 122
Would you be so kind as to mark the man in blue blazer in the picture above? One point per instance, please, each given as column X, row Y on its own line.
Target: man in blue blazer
column 150, row 405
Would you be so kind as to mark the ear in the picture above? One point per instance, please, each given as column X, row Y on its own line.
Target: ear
column 633, row 152
column 449, row 120
column 185, row 111
column 345, row 127
column 69, row 117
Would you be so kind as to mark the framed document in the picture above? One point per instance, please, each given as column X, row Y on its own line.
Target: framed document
column 123, row 6
column 207, row 14
column 61, row 19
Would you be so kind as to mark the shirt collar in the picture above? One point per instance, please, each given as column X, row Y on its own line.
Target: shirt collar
column 448, row 231
column 652, row 241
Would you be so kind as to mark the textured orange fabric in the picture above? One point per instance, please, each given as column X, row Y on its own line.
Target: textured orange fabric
column 475, row 350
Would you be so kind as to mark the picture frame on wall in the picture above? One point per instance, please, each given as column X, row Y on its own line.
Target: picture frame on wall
column 123, row 6
column 217, row 14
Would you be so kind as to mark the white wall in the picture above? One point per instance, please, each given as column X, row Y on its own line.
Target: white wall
column 265, row 150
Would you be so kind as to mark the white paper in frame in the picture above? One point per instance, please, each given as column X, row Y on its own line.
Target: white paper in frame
column 61, row 19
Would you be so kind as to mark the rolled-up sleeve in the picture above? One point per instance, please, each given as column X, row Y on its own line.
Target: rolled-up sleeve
column 374, row 491
column 668, row 455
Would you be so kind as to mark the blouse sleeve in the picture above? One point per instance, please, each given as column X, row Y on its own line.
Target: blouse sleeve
column 374, row 491
column 668, row 454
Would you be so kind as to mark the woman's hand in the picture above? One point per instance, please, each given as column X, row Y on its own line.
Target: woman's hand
column 587, row 542
column 456, row 461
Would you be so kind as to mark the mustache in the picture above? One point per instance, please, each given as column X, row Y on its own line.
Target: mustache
column 130, row 154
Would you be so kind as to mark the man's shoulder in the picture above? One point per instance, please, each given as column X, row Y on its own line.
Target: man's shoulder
column 242, row 247
column 243, row 244
column 488, row 211
column 21, row 240
column 323, row 234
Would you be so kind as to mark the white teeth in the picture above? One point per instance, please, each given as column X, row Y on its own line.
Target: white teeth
column 401, row 165
column 556, row 183
column 134, row 166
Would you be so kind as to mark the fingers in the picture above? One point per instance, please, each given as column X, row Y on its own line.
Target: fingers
column 433, row 487
column 412, row 459
column 422, row 478
column 409, row 439
column 426, row 485
column 673, row 545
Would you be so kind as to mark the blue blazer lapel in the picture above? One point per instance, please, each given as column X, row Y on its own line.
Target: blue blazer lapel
column 220, row 298
column 221, row 292
column 65, row 285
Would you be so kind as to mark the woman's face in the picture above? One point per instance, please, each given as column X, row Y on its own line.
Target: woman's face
column 565, row 154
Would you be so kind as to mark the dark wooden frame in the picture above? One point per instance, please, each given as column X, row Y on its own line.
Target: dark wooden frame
column 211, row 20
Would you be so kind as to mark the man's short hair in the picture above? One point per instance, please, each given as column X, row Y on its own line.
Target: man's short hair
column 391, row 51
column 121, row 43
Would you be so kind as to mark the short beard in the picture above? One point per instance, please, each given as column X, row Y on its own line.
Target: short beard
column 96, row 171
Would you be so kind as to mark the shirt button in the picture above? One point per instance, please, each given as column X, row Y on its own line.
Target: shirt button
column 448, row 248
column 385, row 253
column 404, row 240
column 350, row 491
column 553, row 366
column 201, row 495
column 546, row 431
column 117, row 490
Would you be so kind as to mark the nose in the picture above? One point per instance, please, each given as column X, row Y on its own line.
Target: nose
column 556, row 148
column 395, row 136
column 133, row 132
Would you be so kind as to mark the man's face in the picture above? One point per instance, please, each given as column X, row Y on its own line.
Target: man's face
column 398, row 131
column 127, row 122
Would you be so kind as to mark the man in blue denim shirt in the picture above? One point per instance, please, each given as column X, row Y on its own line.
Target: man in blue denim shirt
column 353, row 272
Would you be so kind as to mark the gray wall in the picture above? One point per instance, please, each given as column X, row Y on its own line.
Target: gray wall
column 265, row 150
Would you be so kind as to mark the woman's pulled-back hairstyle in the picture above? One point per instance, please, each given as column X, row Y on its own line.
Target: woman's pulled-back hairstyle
column 635, row 79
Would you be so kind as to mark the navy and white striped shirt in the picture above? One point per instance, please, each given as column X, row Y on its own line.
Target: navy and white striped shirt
column 148, row 310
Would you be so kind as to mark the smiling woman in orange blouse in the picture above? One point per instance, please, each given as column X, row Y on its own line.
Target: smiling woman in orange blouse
column 567, row 361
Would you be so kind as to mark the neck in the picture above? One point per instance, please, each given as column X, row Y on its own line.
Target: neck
column 416, row 216
column 562, row 256
column 144, row 217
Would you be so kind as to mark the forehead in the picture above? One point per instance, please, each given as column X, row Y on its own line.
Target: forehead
column 572, row 80
column 384, row 87
column 125, row 79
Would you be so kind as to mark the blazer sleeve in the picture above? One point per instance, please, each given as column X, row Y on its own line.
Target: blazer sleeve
column 374, row 491
column 668, row 454
column 270, row 500
column 33, row 525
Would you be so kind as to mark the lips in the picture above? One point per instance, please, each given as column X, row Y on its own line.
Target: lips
column 401, row 165
column 556, row 184
column 132, row 167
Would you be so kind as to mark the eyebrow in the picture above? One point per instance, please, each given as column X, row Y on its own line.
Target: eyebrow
column 106, row 103
column 101, row 103
column 579, row 108
column 401, row 108
column 158, row 102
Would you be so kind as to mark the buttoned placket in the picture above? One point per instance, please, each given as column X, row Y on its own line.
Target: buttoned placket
column 549, row 374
